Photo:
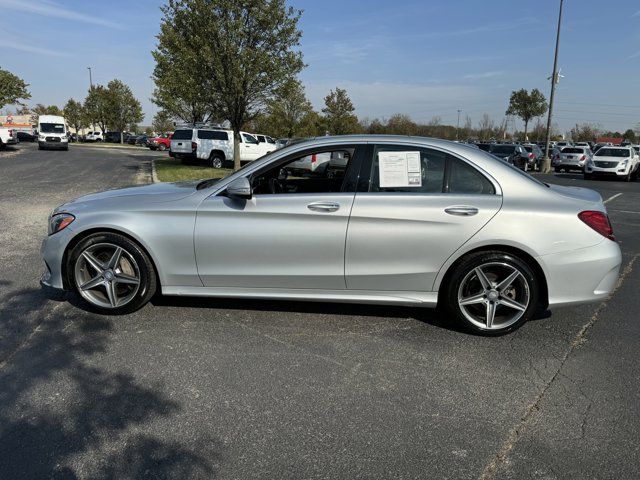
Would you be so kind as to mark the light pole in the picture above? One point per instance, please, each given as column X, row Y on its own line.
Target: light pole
column 554, row 81
column 458, row 125
column 90, row 79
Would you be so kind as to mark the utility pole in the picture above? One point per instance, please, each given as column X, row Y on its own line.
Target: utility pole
column 90, row 79
column 458, row 125
column 554, row 81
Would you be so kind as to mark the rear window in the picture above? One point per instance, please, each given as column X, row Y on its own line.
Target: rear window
column 508, row 149
column 212, row 135
column 182, row 135
column 572, row 150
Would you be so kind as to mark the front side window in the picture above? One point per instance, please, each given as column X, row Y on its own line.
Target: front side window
column 249, row 138
column 321, row 172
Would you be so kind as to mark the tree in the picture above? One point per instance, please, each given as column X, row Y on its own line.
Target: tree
column 630, row 135
column 41, row 109
column 231, row 55
column 584, row 132
column 122, row 109
column 75, row 115
column 287, row 110
column 527, row 106
column 485, row 127
column 95, row 106
column 162, row 122
column 400, row 124
column 12, row 89
column 338, row 112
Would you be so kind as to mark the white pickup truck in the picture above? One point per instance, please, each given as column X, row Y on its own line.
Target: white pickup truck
column 8, row 136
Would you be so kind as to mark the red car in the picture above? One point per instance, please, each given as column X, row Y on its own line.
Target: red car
column 161, row 142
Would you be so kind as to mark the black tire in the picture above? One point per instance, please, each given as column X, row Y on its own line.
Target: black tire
column 466, row 267
column 557, row 170
column 162, row 147
column 148, row 280
column 216, row 160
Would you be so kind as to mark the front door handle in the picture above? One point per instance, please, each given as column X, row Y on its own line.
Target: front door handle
column 461, row 211
column 326, row 207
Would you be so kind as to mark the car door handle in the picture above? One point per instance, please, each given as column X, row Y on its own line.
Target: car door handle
column 327, row 207
column 462, row 211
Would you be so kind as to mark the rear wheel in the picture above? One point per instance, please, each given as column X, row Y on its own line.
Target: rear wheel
column 216, row 160
column 162, row 147
column 492, row 293
column 112, row 274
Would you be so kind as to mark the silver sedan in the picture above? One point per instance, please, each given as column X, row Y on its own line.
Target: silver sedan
column 398, row 220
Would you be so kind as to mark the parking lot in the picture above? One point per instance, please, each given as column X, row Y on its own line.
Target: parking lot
column 256, row 389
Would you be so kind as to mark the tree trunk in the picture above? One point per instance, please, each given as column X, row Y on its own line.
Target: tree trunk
column 236, row 149
column 526, row 128
column 121, row 138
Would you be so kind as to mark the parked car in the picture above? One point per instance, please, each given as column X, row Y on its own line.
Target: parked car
column 8, row 136
column 536, row 155
column 281, row 143
column 161, row 142
column 52, row 132
column 26, row 136
column 514, row 154
column 214, row 146
column 251, row 148
column 95, row 136
column 266, row 139
column 619, row 162
column 392, row 228
column 112, row 137
column 563, row 144
column 572, row 158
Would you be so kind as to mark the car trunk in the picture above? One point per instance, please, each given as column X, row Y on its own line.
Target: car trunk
column 181, row 141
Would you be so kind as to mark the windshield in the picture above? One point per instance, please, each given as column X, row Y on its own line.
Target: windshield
column 52, row 128
column 613, row 152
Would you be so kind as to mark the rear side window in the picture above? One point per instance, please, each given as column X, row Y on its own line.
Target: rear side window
column 407, row 169
column 212, row 135
column 182, row 135
column 464, row 179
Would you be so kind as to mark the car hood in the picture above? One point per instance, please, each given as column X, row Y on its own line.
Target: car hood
column 577, row 193
column 156, row 192
column 610, row 159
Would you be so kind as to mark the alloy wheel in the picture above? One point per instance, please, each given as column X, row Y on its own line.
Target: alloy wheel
column 107, row 275
column 494, row 296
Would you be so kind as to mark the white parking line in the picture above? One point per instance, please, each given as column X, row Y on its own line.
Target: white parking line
column 612, row 198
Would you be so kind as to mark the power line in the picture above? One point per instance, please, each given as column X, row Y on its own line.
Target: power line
column 600, row 104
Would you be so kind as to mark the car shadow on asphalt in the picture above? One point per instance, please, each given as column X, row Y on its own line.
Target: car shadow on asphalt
column 58, row 404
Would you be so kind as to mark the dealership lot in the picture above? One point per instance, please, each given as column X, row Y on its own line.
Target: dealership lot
column 256, row 389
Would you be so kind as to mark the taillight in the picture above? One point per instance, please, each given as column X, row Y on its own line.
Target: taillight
column 194, row 146
column 599, row 221
column 531, row 156
column 584, row 157
column 314, row 159
column 10, row 133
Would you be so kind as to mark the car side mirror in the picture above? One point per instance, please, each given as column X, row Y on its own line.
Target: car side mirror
column 240, row 188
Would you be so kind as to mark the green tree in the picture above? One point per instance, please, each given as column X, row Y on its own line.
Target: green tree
column 95, row 107
column 400, row 124
column 41, row 109
column 527, row 106
column 287, row 110
column 630, row 135
column 338, row 112
column 75, row 115
column 162, row 122
column 122, row 109
column 12, row 89
column 231, row 55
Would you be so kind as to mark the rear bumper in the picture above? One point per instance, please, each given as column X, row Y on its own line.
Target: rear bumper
column 582, row 276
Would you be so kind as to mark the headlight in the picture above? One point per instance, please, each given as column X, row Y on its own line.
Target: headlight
column 59, row 222
column 41, row 137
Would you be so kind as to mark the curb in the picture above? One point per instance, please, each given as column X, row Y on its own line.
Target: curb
column 154, row 174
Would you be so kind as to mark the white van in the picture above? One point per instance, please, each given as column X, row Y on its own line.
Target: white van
column 52, row 132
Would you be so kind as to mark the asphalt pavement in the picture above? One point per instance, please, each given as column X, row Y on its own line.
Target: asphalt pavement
column 197, row 388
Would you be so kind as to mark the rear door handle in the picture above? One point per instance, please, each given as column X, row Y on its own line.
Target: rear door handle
column 462, row 211
column 326, row 207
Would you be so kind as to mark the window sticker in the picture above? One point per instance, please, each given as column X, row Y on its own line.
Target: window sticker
column 400, row 169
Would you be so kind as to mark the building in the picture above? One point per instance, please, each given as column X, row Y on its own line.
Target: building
column 611, row 140
column 21, row 123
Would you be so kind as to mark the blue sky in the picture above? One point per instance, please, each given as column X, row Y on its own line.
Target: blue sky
column 422, row 58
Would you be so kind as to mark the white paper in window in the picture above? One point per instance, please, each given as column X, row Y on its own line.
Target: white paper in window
column 400, row 169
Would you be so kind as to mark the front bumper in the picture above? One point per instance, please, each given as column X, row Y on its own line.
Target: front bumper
column 58, row 145
column 582, row 276
column 613, row 171
column 11, row 141
column 52, row 251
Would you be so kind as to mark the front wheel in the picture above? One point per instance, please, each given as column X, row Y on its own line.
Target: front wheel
column 216, row 160
column 162, row 148
column 112, row 274
column 492, row 293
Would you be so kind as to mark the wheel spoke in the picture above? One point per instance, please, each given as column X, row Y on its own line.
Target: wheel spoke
column 97, row 265
column 507, row 302
column 486, row 283
column 491, row 314
column 506, row 283
column 472, row 300
column 93, row 283
column 126, row 279
column 114, row 261
column 111, row 294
